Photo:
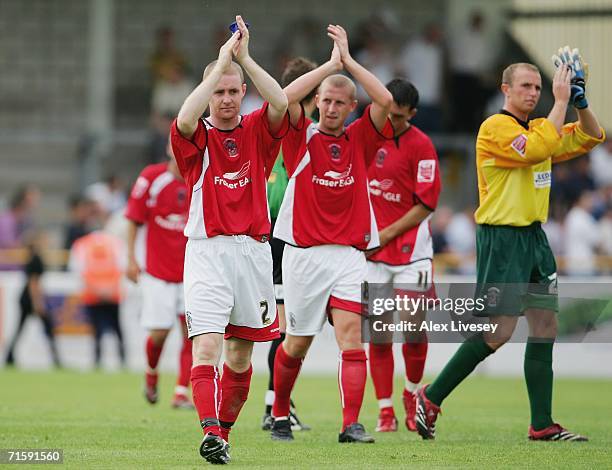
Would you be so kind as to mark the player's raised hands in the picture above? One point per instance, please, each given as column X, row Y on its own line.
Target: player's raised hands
column 561, row 83
column 340, row 38
column 225, row 53
column 335, row 59
column 241, row 48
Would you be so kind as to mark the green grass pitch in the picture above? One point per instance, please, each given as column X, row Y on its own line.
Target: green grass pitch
column 102, row 421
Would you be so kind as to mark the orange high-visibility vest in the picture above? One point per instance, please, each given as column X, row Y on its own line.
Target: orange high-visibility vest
column 98, row 258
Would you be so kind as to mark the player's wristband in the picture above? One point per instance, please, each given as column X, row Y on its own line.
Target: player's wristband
column 578, row 95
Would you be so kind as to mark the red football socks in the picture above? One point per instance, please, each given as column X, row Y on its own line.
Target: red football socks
column 286, row 370
column 206, row 390
column 185, row 362
column 352, row 372
column 415, row 355
column 153, row 352
column 381, row 369
column 234, row 393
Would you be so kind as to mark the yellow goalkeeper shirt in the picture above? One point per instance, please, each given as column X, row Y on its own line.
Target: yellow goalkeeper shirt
column 514, row 160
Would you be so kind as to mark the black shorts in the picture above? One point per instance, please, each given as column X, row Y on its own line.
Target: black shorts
column 278, row 246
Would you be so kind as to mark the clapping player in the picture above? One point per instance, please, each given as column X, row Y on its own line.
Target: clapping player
column 225, row 160
column 327, row 221
column 516, row 269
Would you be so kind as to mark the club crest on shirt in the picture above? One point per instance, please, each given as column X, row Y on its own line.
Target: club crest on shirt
column 231, row 147
column 334, row 151
column 519, row 144
column 380, row 157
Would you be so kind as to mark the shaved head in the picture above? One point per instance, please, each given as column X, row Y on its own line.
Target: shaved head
column 339, row 81
column 508, row 74
column 234, row 69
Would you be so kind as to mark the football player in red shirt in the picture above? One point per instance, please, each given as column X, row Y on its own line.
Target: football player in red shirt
column 158, row 204
column 327, row 221
column 404, row 189
column 226, row 160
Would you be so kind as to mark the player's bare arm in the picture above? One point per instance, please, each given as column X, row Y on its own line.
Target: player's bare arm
column 268, row 88
column 589, row 123
column 133, row 270
column 410, row 219
column 297, row 90
column 378, row 93
column 197, row 102
column 561, row 92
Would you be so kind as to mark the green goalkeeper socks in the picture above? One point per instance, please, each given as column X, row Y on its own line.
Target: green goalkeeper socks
column 468, row 356
column 539, row 380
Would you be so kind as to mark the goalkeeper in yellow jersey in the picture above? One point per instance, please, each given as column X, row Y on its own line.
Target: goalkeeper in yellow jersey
column 516, row 269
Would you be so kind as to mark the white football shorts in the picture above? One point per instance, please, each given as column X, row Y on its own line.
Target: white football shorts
column 319, row 278
column 229, row 289
column 161, row 302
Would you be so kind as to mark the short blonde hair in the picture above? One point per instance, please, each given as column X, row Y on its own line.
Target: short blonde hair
column 234, row 69
column 508, row 73
column 340, row 81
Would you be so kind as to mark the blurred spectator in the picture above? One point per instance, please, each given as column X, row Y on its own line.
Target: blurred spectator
column 421, row 61
column 32, row 299
column 470, row 62
column 108, row 194
column 80, row 221
column 554, row 233
column 439, row 223
column 605, row 231
column 582, row 237
column 17, row 220
column 166, row 55
column 99, row 259
column 570, row 180
column 303, row 37
column 375, row 55
column 169, row 93
column 170, row 88
column 601, row 163
column 461, row 236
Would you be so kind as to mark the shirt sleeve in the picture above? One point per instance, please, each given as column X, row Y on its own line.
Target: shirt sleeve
column 188, row 152
column 575, row 142
column 427, row 176
column 268, row 142
column 136, row 209
column 294, row 144
column 513, row 146
column 365, row 133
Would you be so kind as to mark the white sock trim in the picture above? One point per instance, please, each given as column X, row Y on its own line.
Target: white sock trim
column 269, row 398
column 385, row 403
column 411, row 387
column 181, row 390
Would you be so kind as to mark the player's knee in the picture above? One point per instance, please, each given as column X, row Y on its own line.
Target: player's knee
column 238, row 355
column 206, row 350
column 159, row 337
column 297, row 346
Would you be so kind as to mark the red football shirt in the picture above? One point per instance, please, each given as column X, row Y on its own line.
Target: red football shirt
column 227, row 172
column 327, row 200
column 405, row 171
column 159, row 201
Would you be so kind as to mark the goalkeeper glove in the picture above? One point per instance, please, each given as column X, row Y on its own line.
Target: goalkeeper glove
column 573, row 59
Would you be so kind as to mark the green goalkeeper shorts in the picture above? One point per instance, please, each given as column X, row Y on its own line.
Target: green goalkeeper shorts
column 516, row 269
